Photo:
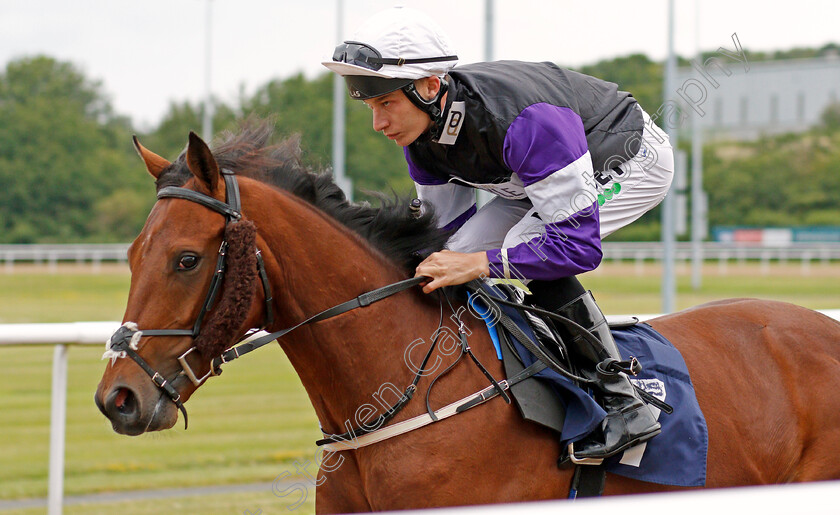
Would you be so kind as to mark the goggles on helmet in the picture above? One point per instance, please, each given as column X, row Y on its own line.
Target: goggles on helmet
column 365, row 56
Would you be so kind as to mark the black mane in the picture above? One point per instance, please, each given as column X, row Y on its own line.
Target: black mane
column 391, row 228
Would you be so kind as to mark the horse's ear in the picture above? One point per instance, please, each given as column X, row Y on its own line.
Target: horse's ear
column 201, row 162
column 154, row 163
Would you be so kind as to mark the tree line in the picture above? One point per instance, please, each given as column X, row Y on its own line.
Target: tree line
column 69, row 172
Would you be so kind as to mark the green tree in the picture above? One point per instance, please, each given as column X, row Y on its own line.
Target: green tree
column 61, row 149
column 785, row 180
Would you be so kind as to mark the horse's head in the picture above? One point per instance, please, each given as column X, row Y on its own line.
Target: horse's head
column 164, row 349
column 167, row 346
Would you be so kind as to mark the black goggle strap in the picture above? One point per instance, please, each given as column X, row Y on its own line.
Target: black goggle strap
column 399, row 61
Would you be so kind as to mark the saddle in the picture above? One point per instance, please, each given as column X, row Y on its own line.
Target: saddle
column 554, row 398
column 513, row 327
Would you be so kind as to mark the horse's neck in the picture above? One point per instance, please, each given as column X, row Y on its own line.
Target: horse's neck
column 342, row 361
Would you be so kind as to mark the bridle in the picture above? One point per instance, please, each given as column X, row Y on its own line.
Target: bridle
column 123, row 343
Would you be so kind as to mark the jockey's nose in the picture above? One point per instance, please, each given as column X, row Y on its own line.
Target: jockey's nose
column 380, row 122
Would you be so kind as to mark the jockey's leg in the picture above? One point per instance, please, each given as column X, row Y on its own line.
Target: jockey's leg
column 629, row 421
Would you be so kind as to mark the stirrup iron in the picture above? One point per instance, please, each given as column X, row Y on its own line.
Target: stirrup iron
column 582, row 461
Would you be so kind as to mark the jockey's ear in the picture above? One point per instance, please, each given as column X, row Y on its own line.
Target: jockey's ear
column 203, row 165
column 154, row 163
column 428, row 86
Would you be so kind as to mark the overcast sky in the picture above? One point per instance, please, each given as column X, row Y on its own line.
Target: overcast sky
column 149, row 53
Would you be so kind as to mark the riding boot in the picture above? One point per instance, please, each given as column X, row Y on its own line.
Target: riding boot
column 629, row 421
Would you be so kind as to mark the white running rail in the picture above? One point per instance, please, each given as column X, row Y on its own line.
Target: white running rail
column 96, row 333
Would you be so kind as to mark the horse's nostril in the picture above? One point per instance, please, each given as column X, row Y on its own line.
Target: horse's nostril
column 122, row 401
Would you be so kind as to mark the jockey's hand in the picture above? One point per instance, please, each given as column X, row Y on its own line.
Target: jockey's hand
column 447, row 268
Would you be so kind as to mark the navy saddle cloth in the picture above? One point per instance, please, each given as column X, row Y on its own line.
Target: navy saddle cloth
column 677, row 456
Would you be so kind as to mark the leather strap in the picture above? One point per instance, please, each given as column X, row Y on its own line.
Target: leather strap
column 540, row 354
column 588, row 481
column 215, row 286
column 336, row 444
column 199, row 198
column 234, row 200
column 269, row 309
column 520, row 335
column 167, row 332
column 362, row 300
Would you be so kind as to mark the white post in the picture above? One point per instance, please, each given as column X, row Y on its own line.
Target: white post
column 483, row 196
column 207, row 115
column 58, row 418
column 339, row 119
column 698, row 199
column 669, row 281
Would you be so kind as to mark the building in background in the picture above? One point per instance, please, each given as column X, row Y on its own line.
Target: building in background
column 735, row 101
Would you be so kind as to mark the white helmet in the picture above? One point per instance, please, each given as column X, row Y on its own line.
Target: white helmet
column 390, row 51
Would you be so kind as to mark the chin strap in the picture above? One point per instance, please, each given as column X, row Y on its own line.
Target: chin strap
column 431, row 107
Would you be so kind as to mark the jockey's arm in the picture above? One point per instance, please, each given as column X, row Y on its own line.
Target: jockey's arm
column 546, row 147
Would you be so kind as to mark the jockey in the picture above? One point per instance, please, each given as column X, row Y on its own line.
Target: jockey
column 569, row 158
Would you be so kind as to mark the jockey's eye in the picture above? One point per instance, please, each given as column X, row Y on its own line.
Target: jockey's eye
column 187, row 262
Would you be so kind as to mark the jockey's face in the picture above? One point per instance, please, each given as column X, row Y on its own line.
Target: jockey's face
column 397, row 118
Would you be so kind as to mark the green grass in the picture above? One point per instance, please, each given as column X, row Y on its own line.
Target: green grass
column 75, row 294
column 248, row 425
column 253, row 422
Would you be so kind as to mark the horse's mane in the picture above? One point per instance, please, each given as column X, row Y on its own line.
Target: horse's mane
column 391, row 228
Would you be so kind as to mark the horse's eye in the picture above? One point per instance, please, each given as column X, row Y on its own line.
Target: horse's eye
column 187, row 262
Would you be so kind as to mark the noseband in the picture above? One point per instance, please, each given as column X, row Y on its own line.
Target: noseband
column 123, row 343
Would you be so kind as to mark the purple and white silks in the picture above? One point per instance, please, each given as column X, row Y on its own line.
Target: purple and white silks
column 546, row 149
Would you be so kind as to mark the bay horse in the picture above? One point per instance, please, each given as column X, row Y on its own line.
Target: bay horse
column 766, row 373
